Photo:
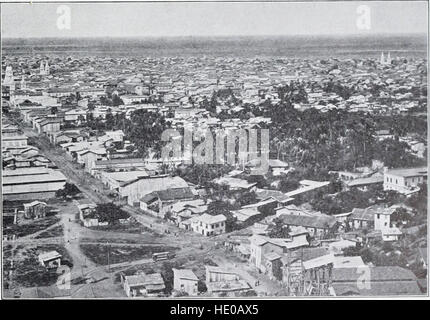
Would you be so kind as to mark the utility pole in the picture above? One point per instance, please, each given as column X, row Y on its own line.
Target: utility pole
column 108, row 256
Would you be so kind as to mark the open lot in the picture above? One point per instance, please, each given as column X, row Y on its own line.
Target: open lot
column 132, row 227
column 99, row 253
column 56, row 231
column 28, row 227
column 25, row 267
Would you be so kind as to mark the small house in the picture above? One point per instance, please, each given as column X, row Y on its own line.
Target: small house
column 184, row 280
column 50, row 260
column 35, row 210
column 144, row 285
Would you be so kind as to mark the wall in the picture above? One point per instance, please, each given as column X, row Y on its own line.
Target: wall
column 185, row 285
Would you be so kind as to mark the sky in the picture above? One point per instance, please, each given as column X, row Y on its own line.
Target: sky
column 27, row 20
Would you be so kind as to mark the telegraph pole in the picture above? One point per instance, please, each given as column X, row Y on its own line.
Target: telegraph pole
column 108, row 256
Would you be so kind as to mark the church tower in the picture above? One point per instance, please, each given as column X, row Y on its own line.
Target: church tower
column 46, row 68
column 42, row 68
column 8, row 76
column 387, row 60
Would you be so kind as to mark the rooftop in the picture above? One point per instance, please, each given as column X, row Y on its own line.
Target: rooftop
column 51, row 255
column 208, row 219
column 145, row 279
column 319, row 222
column 185, row 274
column 408, row 172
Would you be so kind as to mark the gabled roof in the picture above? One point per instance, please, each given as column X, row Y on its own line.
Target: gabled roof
column 306, row 254
column 234, row 183
column 319, row 222
column 175, row 194
column 408, row 172
column 51, row 255
column 208, row 219
column 147, row 280
column 369, row 212
column 381, row 273
column 34, row 203
column 365, row 181
column 184, row 274
column 279, row 196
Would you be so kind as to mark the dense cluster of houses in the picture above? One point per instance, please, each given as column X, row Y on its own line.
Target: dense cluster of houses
column 58, row 98
column 219, row 282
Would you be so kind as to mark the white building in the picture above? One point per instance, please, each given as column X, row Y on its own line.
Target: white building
column 383, row 218
column 404, row 180
column 208, row 225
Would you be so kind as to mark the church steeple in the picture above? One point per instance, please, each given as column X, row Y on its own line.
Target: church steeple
column 8, row 78
column 386, row 60
column 46, row 68
column 41, row 68
column 23, row 84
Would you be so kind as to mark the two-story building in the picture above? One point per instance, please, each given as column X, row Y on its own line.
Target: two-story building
column 404, row 180
column 208, row 225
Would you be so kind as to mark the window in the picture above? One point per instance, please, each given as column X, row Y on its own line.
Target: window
column 378, row 215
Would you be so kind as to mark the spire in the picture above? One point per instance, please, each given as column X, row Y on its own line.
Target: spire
column 8, row 78
column 46, row 68
column 382, row 58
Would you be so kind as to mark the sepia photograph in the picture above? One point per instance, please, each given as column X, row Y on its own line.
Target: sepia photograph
column 175, row 150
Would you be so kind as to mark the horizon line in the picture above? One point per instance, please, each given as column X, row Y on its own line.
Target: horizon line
column 221, row 36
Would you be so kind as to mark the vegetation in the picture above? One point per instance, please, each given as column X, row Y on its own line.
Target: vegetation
column 27, row 271
column 30, row 227
column 99, row 253
column 56, row 231
column 278, row 229
column 68, row 191
column 202, row 174
column 109, row 212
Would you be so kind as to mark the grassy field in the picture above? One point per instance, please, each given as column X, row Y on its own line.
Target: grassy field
column 57, row 231
column 117, row 254
column 28, row 227
column 26, row 270
column 133, row 227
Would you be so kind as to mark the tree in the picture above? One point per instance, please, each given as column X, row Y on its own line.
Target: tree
column 116, row 101
column 278, row 229
column 144, row 130
column 109, row 212
column 69, row 190
column 400, row 215
column 246, row 197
